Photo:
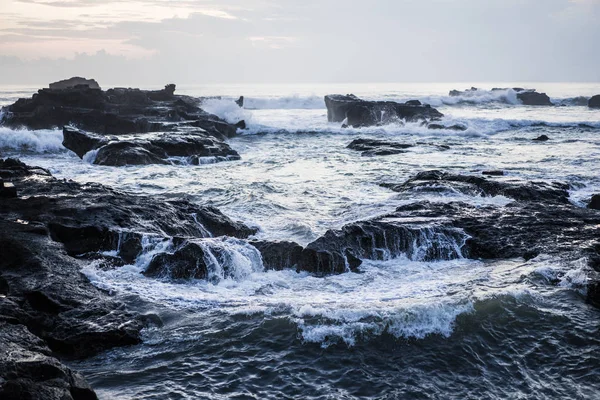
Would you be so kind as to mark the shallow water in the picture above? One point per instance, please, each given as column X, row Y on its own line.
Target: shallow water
column 401, row 328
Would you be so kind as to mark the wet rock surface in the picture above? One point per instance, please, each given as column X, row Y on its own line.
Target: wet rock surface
column 47, row 234
column 539, row 220
column 376, row 147
column 594, row 101
column 96, row 114
column 529, row 97
column 361, row 113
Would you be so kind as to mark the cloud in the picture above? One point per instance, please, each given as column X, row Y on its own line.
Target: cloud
column 287, row 40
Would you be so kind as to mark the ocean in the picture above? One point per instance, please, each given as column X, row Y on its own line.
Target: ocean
column 402, row 328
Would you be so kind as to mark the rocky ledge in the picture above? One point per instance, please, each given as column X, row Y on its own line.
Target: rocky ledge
column 355, row 112
column 78, row 103
column 49, row 230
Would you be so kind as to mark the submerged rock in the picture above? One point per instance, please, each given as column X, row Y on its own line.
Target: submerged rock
column 594, row 102
column 374, row 147
column 361, row 113
column 541, row 138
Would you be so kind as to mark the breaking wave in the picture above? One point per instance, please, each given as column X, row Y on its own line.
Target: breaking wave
column 41, row 141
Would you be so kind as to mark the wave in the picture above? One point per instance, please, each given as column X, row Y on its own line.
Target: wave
column 40, row 141
column 312, row 102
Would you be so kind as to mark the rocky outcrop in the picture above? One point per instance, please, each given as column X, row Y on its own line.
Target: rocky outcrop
column 113, row 112
column 73, row 83
column 193, row 145
column 540, row 220
column 360, row 113
column 529, row 97
column 533, row 98
column 48, row 232
column 594, row 102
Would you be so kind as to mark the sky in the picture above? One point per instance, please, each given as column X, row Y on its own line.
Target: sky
column 300, row 41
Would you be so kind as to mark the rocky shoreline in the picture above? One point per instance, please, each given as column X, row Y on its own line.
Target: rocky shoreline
column 51, row 228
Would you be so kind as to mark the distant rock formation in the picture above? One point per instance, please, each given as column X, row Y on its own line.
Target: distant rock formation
column 73, row 83
column 529, row 97
column 360, row 113
column 594, row 102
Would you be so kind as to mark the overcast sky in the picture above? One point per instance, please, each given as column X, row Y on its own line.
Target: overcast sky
column 237, row 41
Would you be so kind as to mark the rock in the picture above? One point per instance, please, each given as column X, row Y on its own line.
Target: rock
column 413, row 103
column 73, row 83
column 360, row 113
column 7, row 189
column 594, row 202
column 541, row 138
column 185, row 262
column 374, row 147
column 28, row 370
column 81, row 142
column 240, row 101
column 152, row 150
column 541, row 192
column 533, row 98
column 594, row 102
column 493, row 173
column 455, row 127
column 46, row 303
column 541, row 220
column 529, row 97
column 121, row 153
column 279, row 255
column 114, row 111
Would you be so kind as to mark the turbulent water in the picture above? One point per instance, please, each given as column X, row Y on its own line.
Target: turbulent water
column 401, row 328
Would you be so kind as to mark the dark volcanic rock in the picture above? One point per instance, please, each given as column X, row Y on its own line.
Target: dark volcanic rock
column 455, row 127
column 542, row 192
column 541, row 138
column 28, row 370
column 187, row 261
column 150, row 150
column 493, row 173
column 73, row 83
column 376, row 147
column 81, row 142
column 594, row 202
column 113, row 112
column 278, row 255
column 47, row 235
column 360, row 113
column 121, row 153
column 594, row 102
column 529, row 97
column 541, row 221
column 533, row 98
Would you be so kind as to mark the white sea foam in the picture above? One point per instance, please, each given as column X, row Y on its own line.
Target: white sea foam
column 40, row 141
column 399, row 297
column 227, row 109
column 312, row 102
